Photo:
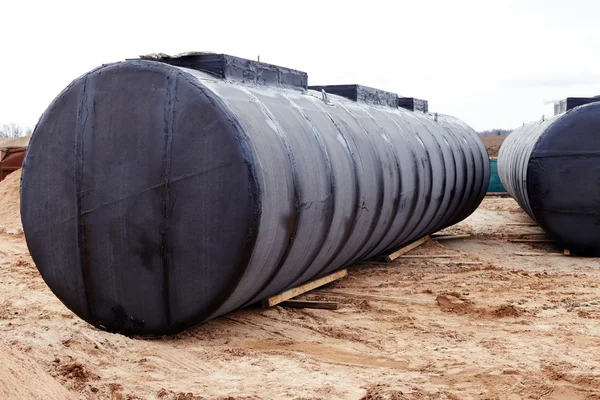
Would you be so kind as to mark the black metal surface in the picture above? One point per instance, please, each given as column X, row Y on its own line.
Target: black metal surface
column 155, row 197
column 569, row 103
column 552, row 169
column 242, row 70
column 361, row 94
column 413, row 104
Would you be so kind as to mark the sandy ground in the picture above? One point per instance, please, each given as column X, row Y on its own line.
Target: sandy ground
column 511, row 327
column 10, row 216
column 15, row 142
column 492, row 144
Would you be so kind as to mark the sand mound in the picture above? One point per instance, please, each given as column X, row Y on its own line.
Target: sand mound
column 22, row 141
column 21, row 379
column 10, row 216
column 493, row 144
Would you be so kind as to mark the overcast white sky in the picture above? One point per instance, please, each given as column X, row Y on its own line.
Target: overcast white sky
column 491, row 63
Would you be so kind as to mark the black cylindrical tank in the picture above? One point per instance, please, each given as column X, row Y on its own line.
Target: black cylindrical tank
column 155, row 196
column 552, row 169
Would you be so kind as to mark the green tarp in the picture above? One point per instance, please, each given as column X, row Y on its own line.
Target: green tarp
column 495, row 185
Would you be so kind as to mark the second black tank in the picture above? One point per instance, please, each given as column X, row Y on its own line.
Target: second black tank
column 552, row 168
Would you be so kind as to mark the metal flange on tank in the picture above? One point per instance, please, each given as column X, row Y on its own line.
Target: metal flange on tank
column 552, row 168
column 160, row 193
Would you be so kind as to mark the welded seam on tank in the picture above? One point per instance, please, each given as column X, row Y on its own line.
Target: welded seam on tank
column 331, row 200
column 459, row 195
column 149, row 189
column 428, row 193
column 523, row 144
column 485, row 169
column 474, row 193
column 357, row 196
column 505, row 165
column 380, row 192
column 295, row 183
column 428, row 226
column 466, row 201
column 165, row 193
column 82, row 118
column 400, row 238
column 568, row 212
column 563, row 155
column 544, row 129
column 450, row 141
column 255, row 201
column 396, row 203
column 514, row 162
column 123, row 198
column 440, row 213
column 483, row 157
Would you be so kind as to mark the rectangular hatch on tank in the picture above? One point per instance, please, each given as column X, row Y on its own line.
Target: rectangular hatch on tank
column 564, row 105
column 412, row 104
column 236, row 69
column 361, row 94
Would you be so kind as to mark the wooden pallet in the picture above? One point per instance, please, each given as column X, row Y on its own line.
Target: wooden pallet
column 282, row 298
column 522, row 224
column 321, row 305
column 432, row 255
column 307, row 287
column 498, row 194
column 531, row 240
column 450, row 237
column 566, row 252
column 527, row 254
column 461, row 263
column 406, row 249
column 524, row 235
column 374, row 297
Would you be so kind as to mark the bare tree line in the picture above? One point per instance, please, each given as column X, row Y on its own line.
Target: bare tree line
column 13, row 130
column 495, row 132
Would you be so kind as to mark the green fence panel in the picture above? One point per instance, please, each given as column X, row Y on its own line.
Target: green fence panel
column 495, row 185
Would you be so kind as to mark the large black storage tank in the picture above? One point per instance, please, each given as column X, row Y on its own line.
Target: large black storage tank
column 552, row 168
column 157, row 196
